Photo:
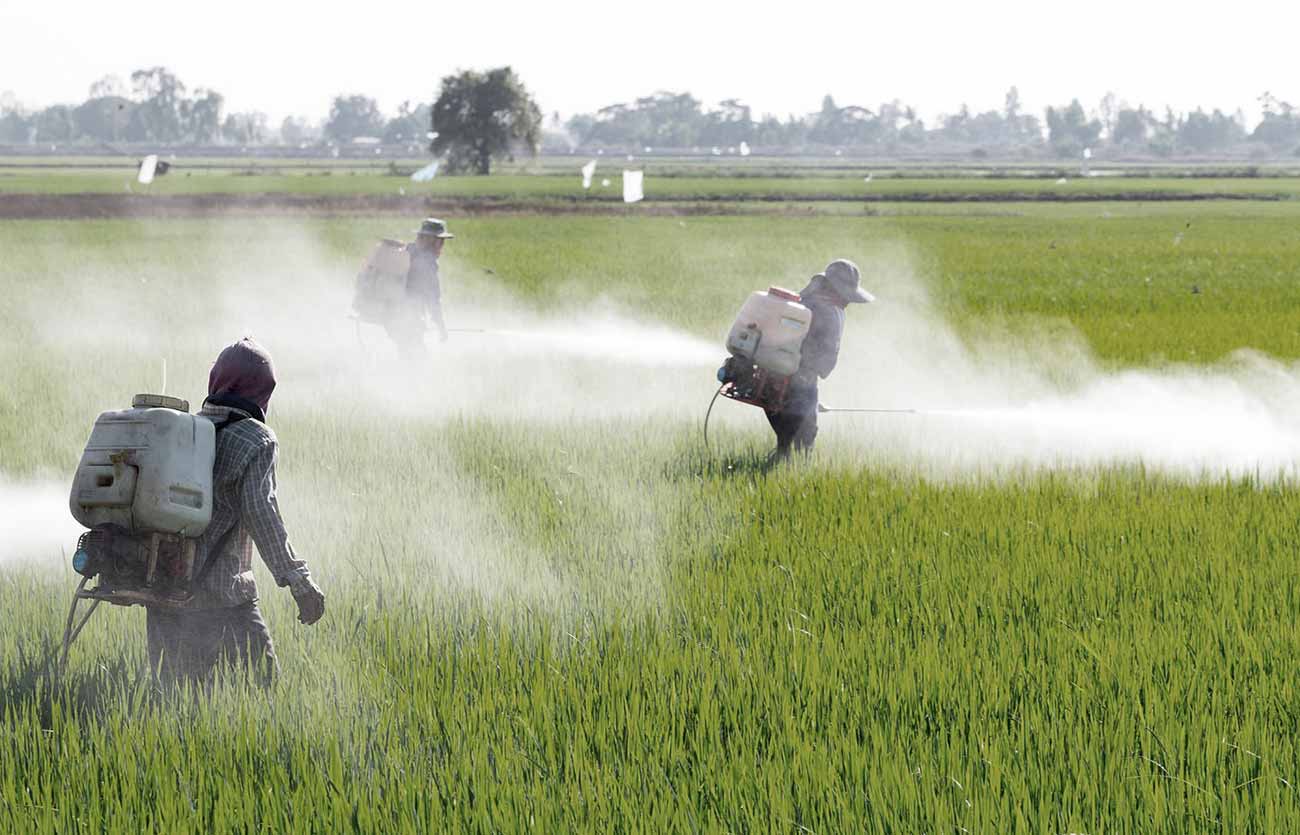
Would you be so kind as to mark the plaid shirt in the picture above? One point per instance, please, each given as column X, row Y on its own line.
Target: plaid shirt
column 244, row 512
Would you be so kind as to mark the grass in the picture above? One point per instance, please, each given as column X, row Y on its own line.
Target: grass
column 542, row 618
column 668, row 184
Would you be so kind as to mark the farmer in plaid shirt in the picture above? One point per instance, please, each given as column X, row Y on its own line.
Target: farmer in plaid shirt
column 222, row 622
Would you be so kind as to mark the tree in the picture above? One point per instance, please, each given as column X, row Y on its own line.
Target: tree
column 1133, row 127
column 670, row 120
column 1017, row 126
column 15, row 126
column 352, row 117
column 849, row 125
column 103, row 118
column 1209, row 132
column 1280, row 126
column 1109, row 110
column 202, row 117
column 55, row 124
column 730, row 124
column 296, row 130
column 160, row 95
column 245, row 128
column 109, row 85
column 481, row 116
column 409, row 124
column 1069, row 130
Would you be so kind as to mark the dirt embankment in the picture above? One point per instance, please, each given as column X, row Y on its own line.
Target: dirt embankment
column 91, row 206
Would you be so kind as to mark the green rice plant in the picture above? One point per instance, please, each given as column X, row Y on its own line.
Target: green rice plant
column 564, row 613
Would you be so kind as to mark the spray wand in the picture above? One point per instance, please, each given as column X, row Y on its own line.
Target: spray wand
column 821, row 409
column 826, row 409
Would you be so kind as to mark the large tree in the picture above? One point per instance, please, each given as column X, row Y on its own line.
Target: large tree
column 481, row 116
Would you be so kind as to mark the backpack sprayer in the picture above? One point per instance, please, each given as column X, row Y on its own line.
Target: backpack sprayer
column 381, row 285
column 765, row 343
column 143, row 487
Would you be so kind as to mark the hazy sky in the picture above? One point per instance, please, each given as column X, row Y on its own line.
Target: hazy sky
column 292, row 58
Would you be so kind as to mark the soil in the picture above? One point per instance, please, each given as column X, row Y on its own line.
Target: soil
column 92, row 206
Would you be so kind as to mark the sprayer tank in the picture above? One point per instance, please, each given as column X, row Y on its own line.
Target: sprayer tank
column 770, row 330
column 147, row 469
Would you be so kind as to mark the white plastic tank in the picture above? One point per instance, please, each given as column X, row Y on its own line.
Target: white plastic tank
column 381, row 284
column 147, row 469
column 770, row 329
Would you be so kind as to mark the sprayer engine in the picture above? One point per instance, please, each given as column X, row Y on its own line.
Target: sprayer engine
column 153, row 570
column 745, row 382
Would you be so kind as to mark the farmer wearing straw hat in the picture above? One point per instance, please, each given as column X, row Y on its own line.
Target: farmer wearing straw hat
column 827, row 295
column 423, row 290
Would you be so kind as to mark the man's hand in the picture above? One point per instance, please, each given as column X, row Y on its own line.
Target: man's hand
column 311, row 604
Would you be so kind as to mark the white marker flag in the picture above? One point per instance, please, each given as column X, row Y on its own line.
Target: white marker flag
column 588, row 171
column 148, row 166
column 632, row 186
column 426, row 173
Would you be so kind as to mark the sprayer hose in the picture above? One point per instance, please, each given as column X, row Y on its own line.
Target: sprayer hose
column 709, row 412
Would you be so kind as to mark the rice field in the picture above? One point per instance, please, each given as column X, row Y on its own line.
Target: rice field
column 664, row 181
column 552, row 608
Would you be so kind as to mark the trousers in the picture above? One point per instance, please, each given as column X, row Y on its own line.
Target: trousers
column 406, row 329
column 795, row 424
column 187, row 645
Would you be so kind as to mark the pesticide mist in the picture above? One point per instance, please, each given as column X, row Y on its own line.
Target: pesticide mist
column 1007, row 399
column 36, row 525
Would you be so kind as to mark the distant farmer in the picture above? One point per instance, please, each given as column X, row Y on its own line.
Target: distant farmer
column 827, row 295
column 222, row 622
column 407, row 325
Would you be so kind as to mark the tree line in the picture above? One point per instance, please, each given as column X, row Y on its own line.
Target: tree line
column 156, row 107
column 675, row 120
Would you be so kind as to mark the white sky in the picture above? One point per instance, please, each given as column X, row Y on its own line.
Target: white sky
column 287, row 57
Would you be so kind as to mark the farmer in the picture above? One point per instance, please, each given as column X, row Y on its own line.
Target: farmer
column 423, row 291
column 827, row 295
column 222, row 623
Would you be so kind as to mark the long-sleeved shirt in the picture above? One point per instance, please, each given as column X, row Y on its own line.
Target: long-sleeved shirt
column 423, row 285
column 422, row 282
column 244, row 512
column 821, row 347
column 818, row 354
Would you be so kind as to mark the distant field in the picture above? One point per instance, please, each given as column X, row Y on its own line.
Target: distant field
column 678, row 187
column 553, row 609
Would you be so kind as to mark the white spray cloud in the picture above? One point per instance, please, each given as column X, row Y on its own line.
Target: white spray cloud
column 1015, row 399
column 36, row 525
column 427, row 173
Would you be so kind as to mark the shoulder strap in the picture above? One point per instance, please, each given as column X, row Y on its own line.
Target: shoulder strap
column 234, row 402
